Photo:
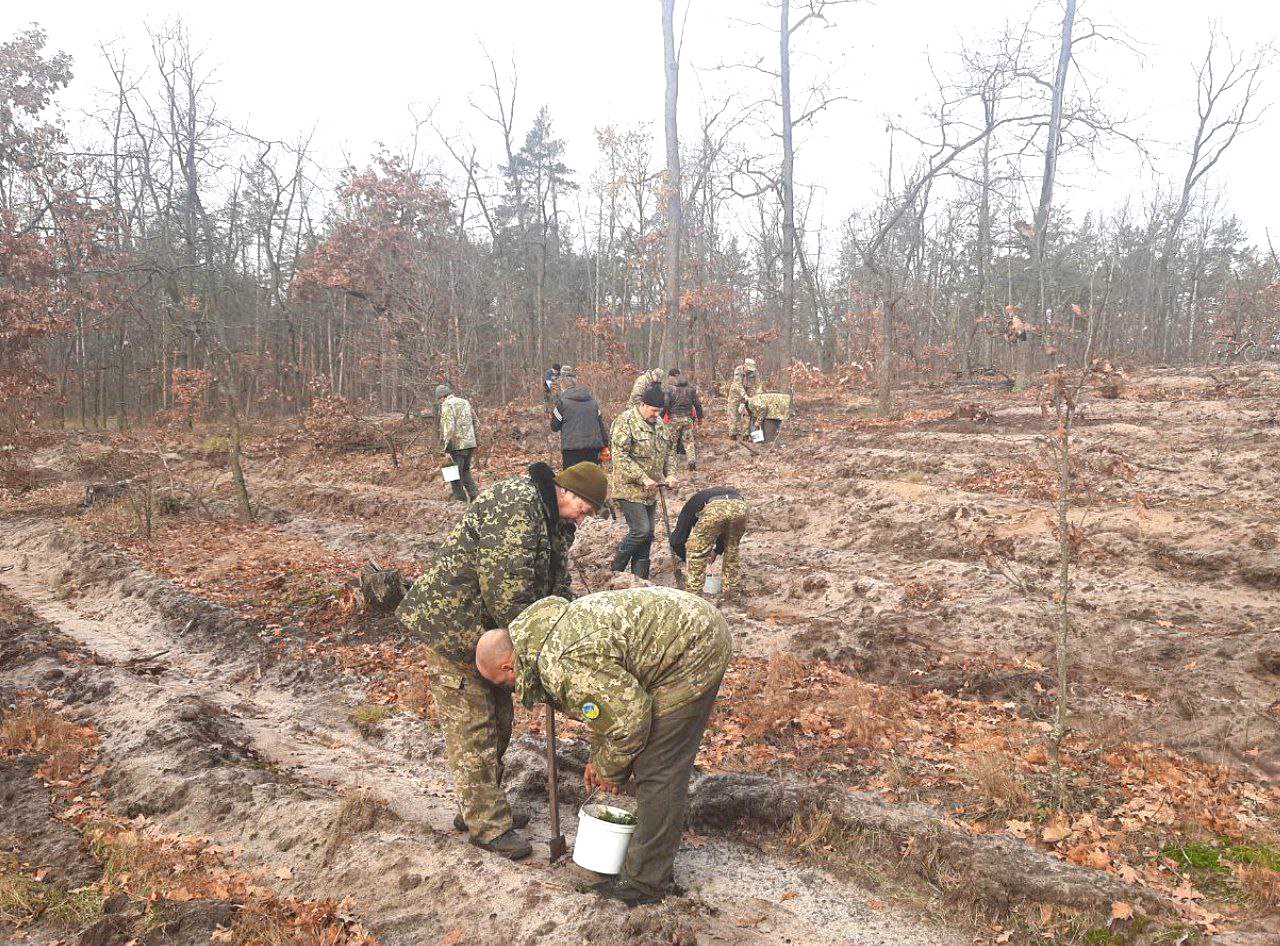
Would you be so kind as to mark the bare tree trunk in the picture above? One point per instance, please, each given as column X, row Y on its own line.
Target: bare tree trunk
column 1040, row 237
column 674, row 210
column 1066, row 414
column 788, row 184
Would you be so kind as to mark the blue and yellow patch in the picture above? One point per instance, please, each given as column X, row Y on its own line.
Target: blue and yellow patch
column 590, row 710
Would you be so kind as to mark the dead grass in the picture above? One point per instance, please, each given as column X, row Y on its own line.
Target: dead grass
column 1260, row 884
column 358, row 812
column 294, row 923
column 35, row 730
column 996, row 780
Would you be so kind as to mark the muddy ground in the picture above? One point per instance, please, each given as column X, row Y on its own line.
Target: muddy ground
column 896, row 631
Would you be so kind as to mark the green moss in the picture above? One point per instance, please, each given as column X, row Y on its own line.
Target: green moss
column 1259, row 854
column 1196, row 855
column 1204, row 856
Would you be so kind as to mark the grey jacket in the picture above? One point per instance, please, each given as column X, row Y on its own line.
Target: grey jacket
column 577, row 417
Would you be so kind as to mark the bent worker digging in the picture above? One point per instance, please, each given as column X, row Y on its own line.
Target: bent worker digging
column 642, row 668
column 510, row 549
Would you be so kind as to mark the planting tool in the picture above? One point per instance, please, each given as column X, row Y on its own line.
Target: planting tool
column 559, row 847
column 666, row 524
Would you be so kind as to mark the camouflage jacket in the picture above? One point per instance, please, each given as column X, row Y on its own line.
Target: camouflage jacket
column 772, row 404
column 616, row 659
column 745, row 384
column 509, row 550
column 643, row 383
column 457, row 424
column 639, row 449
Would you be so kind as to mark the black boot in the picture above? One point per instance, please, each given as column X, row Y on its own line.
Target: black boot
column 512, row 846
column 640, row 568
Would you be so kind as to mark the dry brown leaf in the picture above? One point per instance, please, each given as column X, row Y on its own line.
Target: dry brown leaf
column 1120, row 910
column 1055, row 831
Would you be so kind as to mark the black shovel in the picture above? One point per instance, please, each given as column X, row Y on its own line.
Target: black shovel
column 559, row 847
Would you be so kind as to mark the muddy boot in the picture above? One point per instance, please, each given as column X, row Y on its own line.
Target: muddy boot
column 693, row 464
column 519, row 819
column 640, row 568
column 512, row 846
column 627, row 894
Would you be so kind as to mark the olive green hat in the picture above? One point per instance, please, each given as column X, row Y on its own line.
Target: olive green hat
column 587, row 480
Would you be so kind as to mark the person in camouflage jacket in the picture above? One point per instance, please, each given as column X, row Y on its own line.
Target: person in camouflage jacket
column 645, row 381
column 641, row 667
column 641, row 449
column 744, row 386
column 458, row 425
column 510, row 549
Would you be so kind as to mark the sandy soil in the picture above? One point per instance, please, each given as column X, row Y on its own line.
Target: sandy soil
column 219, row 739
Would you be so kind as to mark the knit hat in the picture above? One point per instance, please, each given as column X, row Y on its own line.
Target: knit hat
column 750, row 364
column 443, row 390
column 568, row 371
column 654, row 397
column 587, row 480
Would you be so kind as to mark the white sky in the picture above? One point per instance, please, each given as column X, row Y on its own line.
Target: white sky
column 351, row 70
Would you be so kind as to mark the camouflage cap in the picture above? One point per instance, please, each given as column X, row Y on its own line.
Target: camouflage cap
column 749, row 364
column 443, row 390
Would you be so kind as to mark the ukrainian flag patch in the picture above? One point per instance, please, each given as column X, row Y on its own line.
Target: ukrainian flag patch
column 590, row 711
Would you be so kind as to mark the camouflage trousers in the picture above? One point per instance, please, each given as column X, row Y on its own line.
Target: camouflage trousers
column 475, row 717
column 738, row 424
column 720, row 517
column 681, row 429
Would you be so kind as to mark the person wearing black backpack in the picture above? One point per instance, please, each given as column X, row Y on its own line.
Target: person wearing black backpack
column 684, row 410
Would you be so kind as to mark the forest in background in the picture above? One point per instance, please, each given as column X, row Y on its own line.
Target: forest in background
column 164, row 262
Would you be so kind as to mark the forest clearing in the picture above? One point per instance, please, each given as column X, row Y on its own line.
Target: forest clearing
column 876, row 771
column 451, row 496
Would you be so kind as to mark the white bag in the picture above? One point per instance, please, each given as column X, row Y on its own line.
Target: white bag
column 450, row 473
column 757, row 436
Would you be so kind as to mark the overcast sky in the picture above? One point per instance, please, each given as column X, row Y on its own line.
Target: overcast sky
column 352, row 71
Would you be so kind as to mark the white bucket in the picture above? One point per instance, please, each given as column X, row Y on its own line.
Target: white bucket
column 450, row 473
column 713, row 584
column 757, row 436
column 601, row 845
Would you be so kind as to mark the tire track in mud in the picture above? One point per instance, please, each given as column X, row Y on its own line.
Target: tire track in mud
column 227, row 743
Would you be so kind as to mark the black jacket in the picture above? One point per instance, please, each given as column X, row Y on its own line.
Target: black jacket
column 689, row 516
column 683, row 401
column 577, row 417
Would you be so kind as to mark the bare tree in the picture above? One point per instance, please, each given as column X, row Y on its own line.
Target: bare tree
column 1227, row 87
column 1040, row 225
column 675, row 226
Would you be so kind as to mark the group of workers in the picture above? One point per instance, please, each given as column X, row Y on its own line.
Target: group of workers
column 641, row 667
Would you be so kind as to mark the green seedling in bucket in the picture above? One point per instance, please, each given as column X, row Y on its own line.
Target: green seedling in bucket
column 614, row 815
